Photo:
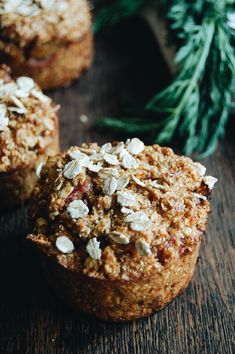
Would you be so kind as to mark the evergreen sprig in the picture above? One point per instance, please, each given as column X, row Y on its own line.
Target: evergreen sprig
column 195, row 105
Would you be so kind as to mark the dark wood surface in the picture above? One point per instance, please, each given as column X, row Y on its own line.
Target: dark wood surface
column 33, row 320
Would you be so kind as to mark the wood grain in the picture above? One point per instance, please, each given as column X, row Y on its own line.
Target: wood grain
column 33, row 320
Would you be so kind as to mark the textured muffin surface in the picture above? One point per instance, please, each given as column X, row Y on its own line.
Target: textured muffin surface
column 120, row 211
column 43, row 20
column 28, row 123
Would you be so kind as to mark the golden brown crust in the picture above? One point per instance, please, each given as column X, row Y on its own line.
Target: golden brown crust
column 118, row 218
column 61, row 68
column 16, row 186
column 53, row 46
column 121, row 300
column 28, row 134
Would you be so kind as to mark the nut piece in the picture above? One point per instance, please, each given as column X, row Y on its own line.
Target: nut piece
column 93, row 248
column 77, row 209
column 64, row 244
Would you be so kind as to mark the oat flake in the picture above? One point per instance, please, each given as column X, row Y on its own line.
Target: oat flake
column 119, row 149
column 49, row 123
column 122, row 182
column 26, row 84
column 20, row 108
column 106, row 148
column 125, row 210
column 64, row 244
column 119, row 237
column 93, row 167
column 200, row 168
column 111, row 159
column 39, row 168
column 210, row 181
column 29, row 8
column 72, row 169
column 126, row 198
column 135, row 146
column 96, row 156
column 108, row 172
column 110, row 185
column 139, row 221
column 8, row 88
column 129, row 161
column 138, row 181
column 155, row 184
column 80, row 156
column 200, row 196
column 143, row 248
column 40, row 96
column 77, row 209
column 3, row 109
column 4, row 120
column 93, row 248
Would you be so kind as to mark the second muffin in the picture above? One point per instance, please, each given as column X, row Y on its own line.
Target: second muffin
column 28, row 134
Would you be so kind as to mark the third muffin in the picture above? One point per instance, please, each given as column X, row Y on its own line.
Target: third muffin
column 49, row 40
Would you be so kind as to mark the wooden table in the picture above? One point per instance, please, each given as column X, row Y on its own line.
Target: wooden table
column 33, row 320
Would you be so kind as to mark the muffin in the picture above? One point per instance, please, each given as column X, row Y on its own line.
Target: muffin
column 28, row 134
column 48, row 40
column 119, row 226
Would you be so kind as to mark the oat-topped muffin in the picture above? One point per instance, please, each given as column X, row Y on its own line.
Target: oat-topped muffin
column 28, row 133
column 119, row 226
column 49, row 40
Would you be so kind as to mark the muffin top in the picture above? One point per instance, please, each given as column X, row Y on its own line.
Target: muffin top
column 121, row 210
column 27, row 121
column 24, row 21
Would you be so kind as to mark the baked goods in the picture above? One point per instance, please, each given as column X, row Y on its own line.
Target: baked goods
column 28, row 133
column 119, row 226
column 48, row 40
